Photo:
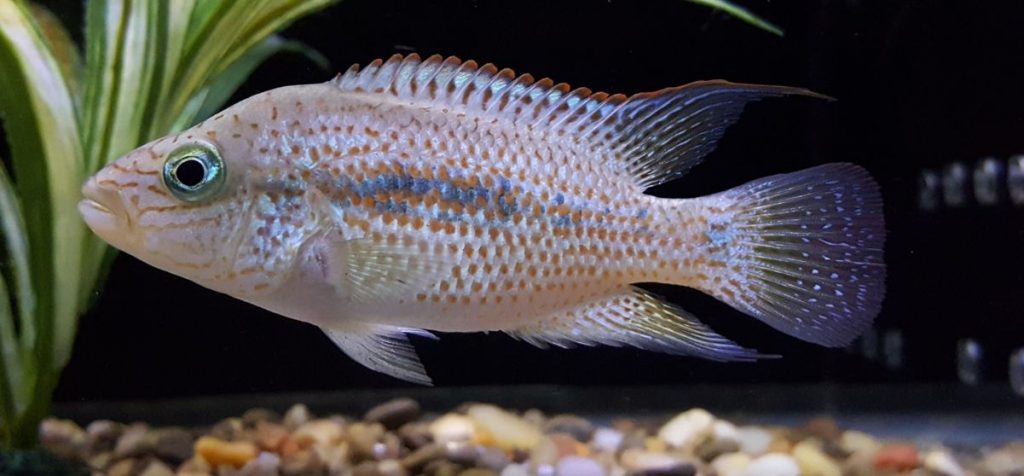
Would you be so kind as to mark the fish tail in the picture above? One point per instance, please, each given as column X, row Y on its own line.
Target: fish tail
column 801, row 252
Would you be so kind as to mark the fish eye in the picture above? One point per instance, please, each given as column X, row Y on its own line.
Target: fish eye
column 194, row 172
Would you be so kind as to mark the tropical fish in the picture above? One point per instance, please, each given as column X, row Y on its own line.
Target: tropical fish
column 417, row 195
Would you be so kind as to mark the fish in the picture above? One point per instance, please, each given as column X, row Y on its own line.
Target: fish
column 414, row 196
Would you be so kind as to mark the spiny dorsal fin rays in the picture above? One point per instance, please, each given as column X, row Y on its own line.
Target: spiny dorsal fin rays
column 654, row 137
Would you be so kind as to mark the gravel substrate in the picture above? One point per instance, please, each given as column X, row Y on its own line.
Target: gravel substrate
column 394, row 439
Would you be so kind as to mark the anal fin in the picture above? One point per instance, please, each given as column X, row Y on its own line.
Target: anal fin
column 637, row 318
column 385, row 349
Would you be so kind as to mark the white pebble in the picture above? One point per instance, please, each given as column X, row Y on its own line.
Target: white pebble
column 508, row 430
column 636, row 459
column 730, row 464
column 723, row 431
column 753, row 440
column 579, row 466
column 814, row 462
column 853, row 441
column 773, row 464
column 687, row 429
column 942, row 463
column 452, row 427
column 516, row 470
column 607, row 439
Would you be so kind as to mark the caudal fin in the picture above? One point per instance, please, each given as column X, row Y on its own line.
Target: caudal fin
column 806, row 250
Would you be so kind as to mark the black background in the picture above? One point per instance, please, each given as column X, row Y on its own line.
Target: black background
column 920, row 84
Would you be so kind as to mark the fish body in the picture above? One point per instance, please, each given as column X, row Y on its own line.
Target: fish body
column 418, row 195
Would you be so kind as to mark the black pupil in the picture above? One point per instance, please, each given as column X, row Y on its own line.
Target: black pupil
column 190, row 172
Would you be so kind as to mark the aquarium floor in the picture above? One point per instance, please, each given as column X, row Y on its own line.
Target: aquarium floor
column 953, row 414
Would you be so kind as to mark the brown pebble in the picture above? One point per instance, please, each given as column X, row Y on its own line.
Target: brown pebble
column 103, row 435
column 478, row 472
column 442, row 468
column 395, row 413
column 301, row 463
column 124, row 467
column 822, row 427
column 898, row 457
column 415, row 434
column 253, row 416
column 228, row 429
column 270, row 436
column 231, row 453
column 423, row 455
column 173, row 444
column 135, row 441
column 63, row 438
column 578, row 427
column 156, row 468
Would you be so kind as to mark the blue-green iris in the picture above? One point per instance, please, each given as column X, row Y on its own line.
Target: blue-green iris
column 194, row 172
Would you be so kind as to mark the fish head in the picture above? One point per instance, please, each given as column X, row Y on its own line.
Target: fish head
column 201, row 204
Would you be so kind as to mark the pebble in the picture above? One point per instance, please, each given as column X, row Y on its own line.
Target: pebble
column 452, row 427
column 508, row 430
column 896, row 457
column 253, row 416
column 823, row 427
column 364, row 438
column 271, row 436
column 522, row 469
column 135, row 441
column 218, row 452
column 724, row 438
column 642, row 460
column 579, row 428
column 395, row 413
column 322, row 432
column 103, row 435
column 813, row 461
column 415, row 434
column 156, row 468
column 607, row 439
column 1008, row 459
column 63, row 438
column 478, row 472
column 173, row 444
column 124, row 467
column 301, row 463
column 296, row 416
column 579, row 466
column 686, row 429
column 730, row 464
column 942, row 463
column 772, row 464
column 754, row 440
column 853, row 442
column 423, row 455
column 265, row 464
column 492, row 458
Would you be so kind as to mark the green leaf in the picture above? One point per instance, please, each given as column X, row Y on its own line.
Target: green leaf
column 741, row 13
column 42, row 130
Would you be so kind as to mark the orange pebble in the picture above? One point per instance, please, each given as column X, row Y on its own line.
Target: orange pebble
column 217, row 452
column 899, row 457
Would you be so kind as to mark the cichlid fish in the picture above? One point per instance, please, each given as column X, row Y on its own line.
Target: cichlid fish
column 418, row 195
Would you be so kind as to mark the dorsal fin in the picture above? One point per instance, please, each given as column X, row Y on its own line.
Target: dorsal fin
column 654, row 137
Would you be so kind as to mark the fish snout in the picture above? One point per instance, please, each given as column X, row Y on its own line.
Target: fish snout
column 103, row 209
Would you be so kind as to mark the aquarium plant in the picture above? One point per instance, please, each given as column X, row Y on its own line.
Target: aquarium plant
column 150, row 68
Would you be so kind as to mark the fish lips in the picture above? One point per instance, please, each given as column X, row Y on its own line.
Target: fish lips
column 103, row 210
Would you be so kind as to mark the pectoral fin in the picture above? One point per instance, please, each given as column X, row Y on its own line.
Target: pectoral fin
column 385, row 349
column 371, row 272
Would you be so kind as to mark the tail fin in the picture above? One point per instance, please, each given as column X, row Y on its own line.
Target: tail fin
column 807, row 252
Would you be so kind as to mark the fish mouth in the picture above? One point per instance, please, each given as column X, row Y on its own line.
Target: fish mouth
column 103, row 210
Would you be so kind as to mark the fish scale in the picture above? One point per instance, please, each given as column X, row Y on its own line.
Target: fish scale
column 416, row 195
